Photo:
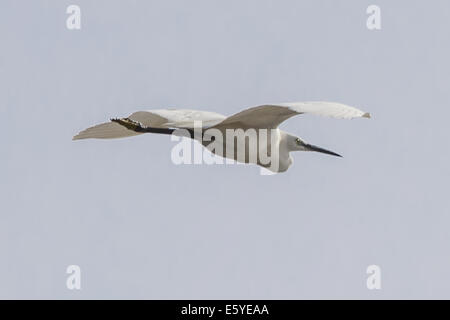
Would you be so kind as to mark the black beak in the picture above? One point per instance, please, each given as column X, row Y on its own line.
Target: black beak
column 310, row 147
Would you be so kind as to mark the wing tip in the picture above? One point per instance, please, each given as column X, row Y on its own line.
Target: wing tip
column 366, row 115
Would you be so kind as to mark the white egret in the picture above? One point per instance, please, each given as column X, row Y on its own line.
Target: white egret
column 265, row 117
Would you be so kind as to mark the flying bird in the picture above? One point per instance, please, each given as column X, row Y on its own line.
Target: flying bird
column 265, row 118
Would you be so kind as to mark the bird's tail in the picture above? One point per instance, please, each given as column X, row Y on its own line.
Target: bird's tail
column 108, row 130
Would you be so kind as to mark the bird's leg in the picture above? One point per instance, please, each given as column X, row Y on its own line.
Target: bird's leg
column 138, row 127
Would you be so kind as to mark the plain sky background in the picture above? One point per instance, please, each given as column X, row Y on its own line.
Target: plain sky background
column 141, row 227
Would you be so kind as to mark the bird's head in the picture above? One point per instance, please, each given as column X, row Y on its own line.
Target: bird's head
column 297, row 144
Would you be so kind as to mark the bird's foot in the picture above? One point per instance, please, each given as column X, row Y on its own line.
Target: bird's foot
column 129, row 124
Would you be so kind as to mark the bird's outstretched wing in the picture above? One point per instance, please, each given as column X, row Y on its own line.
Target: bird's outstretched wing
column 176, row 118
column 107, row 130
column 271, row 115
column 158, row 119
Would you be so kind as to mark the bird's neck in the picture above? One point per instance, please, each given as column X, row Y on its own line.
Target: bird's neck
column 284, row 155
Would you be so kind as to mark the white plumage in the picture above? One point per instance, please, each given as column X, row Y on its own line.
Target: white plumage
column 268, row 116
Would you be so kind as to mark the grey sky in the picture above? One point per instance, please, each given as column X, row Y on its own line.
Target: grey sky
column 141, row 227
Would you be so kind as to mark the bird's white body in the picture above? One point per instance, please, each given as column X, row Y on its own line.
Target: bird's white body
column 268, row 144
column 262, row 122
